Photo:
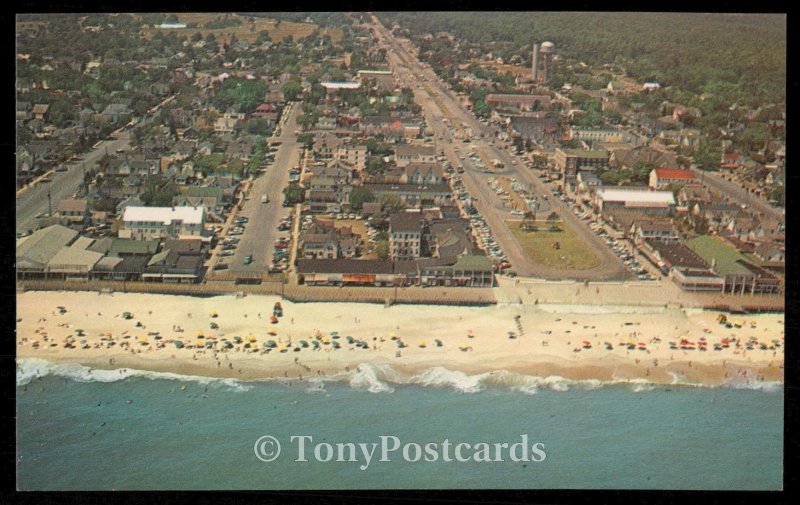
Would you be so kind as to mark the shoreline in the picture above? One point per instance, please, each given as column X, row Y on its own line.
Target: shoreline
column 548, row 341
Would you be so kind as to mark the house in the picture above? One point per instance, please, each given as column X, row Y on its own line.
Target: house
column 423, row 174
column 692, row 194
column 770, row 253
column 412, row 153
column 228, row 122
column 73, row 211
column 587, row 181
column 116, row 113
column 326, row 146
column 653, row 230
column 663, row 178
column 147, row 223
column 40, row 111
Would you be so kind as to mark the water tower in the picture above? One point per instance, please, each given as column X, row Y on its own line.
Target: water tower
column 545, row 60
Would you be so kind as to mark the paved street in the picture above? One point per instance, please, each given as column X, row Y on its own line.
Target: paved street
column 33, row 201
column 438, row 102
column 739, row 194
column 262, row 229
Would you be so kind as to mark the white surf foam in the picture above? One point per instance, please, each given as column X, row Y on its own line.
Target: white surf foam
column 29, row 369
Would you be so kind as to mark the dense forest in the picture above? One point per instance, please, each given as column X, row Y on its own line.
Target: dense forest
column 695, row 52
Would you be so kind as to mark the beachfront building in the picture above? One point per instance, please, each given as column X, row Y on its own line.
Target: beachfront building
column 75, row 261
column 740, row 273
column 34, row 252
column 345, row 272
column 154, row 223
column 180, row 261
column 644, row 201
column 469, row 270
column 405, row 235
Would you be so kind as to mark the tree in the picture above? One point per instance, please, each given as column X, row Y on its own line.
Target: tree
column 553, row 220
column 291, row 89
column 359, row 196
column 529, row 221
column 375, row 165
column 391, row 203
column 307, row 139
column 294, row 193
column 382, row 249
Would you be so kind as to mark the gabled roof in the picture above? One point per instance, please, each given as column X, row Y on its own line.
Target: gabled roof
column 674, row 173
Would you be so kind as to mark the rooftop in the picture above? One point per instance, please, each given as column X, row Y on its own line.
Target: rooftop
column 635, row 196
column 725, row 259
column 166, row 215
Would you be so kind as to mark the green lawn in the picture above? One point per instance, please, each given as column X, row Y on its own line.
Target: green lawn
column 572, row 253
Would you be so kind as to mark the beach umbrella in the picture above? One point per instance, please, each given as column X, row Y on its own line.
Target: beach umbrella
column 200, row 343
column 422, row 344
column 178, row 344
column 200, row 334
column 237, row 339
column 438, row 342
column 303, row 343
column 272, row 332
column 251, row 338
column 213, row 313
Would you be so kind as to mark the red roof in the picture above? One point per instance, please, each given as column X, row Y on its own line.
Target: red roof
column 674, row 173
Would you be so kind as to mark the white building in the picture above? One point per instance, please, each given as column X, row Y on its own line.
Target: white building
column 635, row 200
column 153, row 223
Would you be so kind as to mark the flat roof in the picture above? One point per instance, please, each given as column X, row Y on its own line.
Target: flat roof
column 340, row 85
column 166, row 215
column 635, row 196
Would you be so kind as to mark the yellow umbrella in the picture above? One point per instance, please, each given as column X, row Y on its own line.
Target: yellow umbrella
column 392, row 334
column 213, row 313
column 200, row 343
column 200, row 334
column 422, row 344
column 272, row 332
column 251, row 338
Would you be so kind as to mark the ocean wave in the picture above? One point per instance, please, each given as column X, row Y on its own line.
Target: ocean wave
column 29, row 369
column 382, row 378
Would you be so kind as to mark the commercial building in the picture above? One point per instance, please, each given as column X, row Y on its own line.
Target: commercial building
column 153, row 223
column 405, row 235
column 570, row 161
column 741, row 275
column 35, row 251
column 662, row 178
column 660, row 203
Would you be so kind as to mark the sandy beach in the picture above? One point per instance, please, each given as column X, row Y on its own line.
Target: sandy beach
column 659, row 345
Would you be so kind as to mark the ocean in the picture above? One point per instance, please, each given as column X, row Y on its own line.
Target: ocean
column 83, row 429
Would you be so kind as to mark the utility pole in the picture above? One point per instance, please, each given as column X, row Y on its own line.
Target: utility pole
column 49, row 205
